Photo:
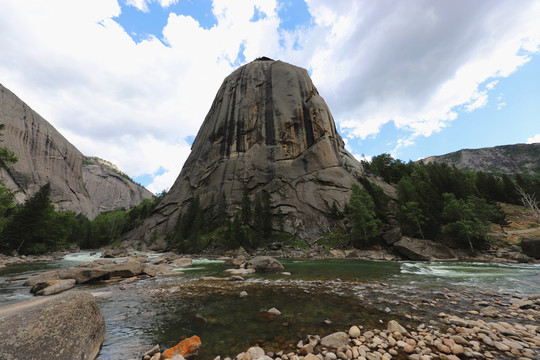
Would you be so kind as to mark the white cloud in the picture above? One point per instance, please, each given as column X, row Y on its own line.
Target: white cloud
column 418, row 65
column 534, row 139
column 362, row 157
column 130, row 103
column 142, row 5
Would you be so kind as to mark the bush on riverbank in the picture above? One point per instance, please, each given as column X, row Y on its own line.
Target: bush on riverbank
column 35, row 227
column 439, row 202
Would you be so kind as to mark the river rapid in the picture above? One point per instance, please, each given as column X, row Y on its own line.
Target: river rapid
column 318, row 297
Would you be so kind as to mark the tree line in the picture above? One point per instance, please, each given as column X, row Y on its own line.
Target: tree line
column 250, row 226
column 434, row 201
column 35, row 227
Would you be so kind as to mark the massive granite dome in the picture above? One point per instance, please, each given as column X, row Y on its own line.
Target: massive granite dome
column 268, row 128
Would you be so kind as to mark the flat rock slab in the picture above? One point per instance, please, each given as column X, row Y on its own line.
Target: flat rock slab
column 422, row 250
column 65, row 327
column 51, row 287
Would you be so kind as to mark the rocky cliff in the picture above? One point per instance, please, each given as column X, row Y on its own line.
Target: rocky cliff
column 46, row 156
column 267, row 129
column 506, row 159
column 109, row 188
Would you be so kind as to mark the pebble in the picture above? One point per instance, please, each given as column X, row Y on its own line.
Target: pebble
column 471, row 336
column 330, row 356
column 354, row 332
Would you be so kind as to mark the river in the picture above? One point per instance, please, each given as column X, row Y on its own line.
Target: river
column 344, row 292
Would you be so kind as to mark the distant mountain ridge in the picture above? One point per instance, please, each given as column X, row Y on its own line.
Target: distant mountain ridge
column 504, row 159
column 78, row 183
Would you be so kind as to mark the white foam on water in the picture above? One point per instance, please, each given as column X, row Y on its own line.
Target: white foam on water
column 84, row 256
column 201, row 261
column 189, row 268
column 19, row 296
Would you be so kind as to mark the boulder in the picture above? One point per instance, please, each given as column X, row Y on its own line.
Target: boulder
column 264, row 263
column 335, row 340
column 394, row 326
column 125, row 269
column 158, row 270
column 255, row 352
column 182, row 262
column 115, row 252
column 531, row 247
column 186, row 348
column 239, row 271
column 235, row 262
column 392, row 236
column 83, row 274
column 269, row 314
column 50, row 287
column 422, row 250
column 41, row 277
column 169, row 256
column 65, row 327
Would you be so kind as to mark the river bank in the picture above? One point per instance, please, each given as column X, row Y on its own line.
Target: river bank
column 145, row 311
column 442, row 323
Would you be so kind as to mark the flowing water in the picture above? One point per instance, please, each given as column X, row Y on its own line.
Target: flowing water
column 165, row 310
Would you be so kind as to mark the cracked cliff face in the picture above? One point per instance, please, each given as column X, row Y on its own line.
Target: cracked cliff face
column 269, row 129
column 46, row 156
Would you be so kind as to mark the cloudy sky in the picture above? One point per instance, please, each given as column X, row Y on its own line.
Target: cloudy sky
column 131, row 81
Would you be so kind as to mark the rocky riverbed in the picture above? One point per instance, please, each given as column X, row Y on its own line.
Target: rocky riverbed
column 440, row 324
column 230, row 312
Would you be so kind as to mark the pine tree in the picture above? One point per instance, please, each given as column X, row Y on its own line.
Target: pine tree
column 7, row 157
column 267, row 216
column 361, row 214
column 32, row 229
column 221, row 213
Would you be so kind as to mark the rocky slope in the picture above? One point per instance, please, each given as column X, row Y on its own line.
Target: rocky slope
column 506, row 159
column 46, row 156
column 267, row 129
column 109, row 188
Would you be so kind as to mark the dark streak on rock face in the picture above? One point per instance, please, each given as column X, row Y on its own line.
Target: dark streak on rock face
column 269, row 108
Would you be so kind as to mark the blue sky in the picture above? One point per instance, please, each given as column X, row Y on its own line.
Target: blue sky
column 131, row 81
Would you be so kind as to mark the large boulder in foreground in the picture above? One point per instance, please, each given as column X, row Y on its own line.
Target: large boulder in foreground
column 422, row 250
column 264, row 263
column 531, row 247
column 64, row 327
